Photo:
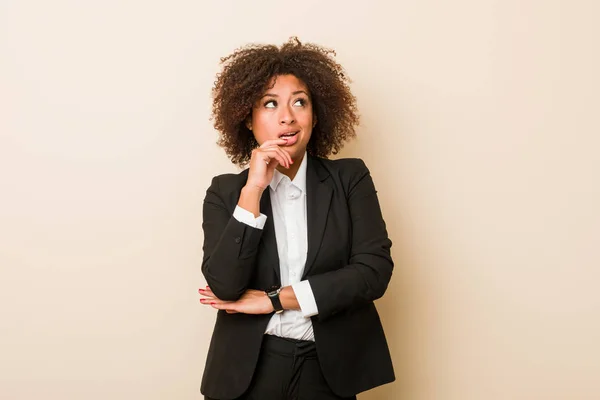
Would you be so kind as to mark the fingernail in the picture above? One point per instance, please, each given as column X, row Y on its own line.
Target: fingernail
column 212, row 303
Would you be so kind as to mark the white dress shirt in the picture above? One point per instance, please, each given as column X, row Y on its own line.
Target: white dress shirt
column 288, row 203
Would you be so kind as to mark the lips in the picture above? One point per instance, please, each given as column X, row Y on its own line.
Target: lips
column 290, row 137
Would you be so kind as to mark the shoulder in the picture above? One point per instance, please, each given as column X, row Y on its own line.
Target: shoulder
column 225, row 185
column 348, row 172
column 345, row 168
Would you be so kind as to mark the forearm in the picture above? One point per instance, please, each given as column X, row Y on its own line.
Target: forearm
column 230, row 247
column 367, row 274
column 288, row 299
column 351, row 286
column 230, row 263
column 250, row 199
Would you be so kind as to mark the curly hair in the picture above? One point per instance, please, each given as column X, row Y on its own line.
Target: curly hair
column 245, row 77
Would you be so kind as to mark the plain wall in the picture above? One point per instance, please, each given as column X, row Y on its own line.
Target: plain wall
column 480, row 124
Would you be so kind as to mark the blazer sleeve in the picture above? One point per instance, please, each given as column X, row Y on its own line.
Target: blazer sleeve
column 366, row 276
column 230, row 246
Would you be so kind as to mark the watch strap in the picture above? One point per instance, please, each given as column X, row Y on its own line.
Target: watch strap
column 275, row 300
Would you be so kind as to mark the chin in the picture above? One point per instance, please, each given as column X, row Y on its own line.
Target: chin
column 296, row 153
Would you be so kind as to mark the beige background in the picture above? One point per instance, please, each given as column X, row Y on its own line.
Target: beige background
column 479, row 124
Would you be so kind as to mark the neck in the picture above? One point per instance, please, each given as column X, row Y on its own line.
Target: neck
column 293, row 170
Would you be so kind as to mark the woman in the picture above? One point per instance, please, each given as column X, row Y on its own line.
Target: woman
column 295, row 246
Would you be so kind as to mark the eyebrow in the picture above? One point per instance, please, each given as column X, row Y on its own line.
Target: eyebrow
column 293, row 94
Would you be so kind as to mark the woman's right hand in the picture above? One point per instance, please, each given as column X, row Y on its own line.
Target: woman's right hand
column 263, row 162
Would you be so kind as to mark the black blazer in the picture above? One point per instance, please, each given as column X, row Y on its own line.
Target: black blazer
column 348, row 266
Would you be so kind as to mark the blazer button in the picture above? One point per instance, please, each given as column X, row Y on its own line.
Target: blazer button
column 238, row 239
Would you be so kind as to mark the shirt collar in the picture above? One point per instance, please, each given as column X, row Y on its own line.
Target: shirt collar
column 299, row 180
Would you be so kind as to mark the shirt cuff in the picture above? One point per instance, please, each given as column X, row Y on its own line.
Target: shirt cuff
column 306, row 298
column 246, row 217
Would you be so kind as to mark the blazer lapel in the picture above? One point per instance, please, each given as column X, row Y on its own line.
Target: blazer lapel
column 268, row 240
column 318, row 200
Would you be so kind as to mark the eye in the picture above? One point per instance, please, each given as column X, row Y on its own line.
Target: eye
column 270, row 104
column 300, row 102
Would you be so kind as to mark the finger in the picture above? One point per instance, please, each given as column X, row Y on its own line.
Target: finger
column 289, row 157
column 214, row 300
column 207, row 291
column 285, row 155
column 224, row 306
column 275, row 145
column 267, row 155
column 207, row 294
column 280, row 158
column 231, row 312
column 271, row 142
column 277, row 154
column 271, row 159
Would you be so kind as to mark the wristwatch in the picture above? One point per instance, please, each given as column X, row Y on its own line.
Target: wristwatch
column 274, row 296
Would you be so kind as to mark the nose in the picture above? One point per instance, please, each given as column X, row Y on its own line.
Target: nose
column 286, row 116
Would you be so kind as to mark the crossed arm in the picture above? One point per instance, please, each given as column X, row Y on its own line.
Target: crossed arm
column 230, row 249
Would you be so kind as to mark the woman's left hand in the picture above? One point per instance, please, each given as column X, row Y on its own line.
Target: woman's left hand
column 251, row 302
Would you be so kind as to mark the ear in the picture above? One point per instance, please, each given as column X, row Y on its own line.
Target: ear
column 249, row 123
column 314, row 120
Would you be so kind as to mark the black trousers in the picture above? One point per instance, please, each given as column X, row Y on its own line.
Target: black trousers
column 288, row 369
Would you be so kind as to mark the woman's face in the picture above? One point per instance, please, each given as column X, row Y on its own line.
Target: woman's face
column 285, row 110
